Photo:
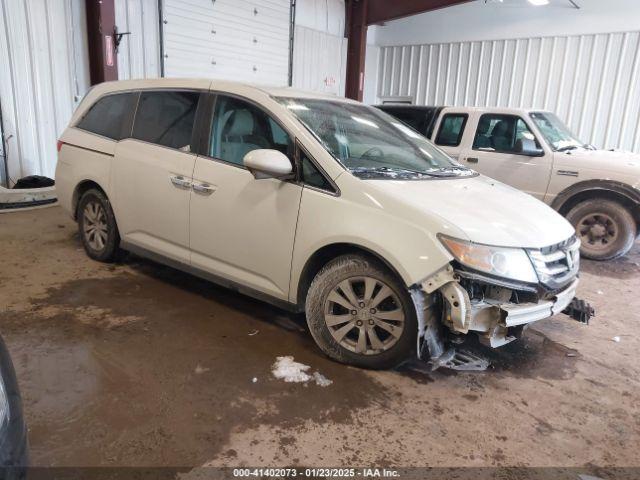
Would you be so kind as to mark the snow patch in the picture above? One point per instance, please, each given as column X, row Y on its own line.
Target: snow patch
column 285, row 368
column 321, row 380
column 288, row 370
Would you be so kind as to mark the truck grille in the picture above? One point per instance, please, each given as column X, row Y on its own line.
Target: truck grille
column 557, row 264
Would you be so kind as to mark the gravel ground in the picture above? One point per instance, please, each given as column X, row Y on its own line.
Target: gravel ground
column 140, row 365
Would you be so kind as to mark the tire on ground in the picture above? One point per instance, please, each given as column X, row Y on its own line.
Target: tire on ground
column 624, row 222
column 338, row 270
column 111, row 247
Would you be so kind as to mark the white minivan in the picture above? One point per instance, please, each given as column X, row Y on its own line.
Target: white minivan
column 318, row 205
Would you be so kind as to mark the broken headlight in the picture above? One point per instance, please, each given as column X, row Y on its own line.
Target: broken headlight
column 504, row 262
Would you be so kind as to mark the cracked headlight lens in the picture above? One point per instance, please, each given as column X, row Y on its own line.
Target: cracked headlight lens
column 4, row 408
column 511, row 263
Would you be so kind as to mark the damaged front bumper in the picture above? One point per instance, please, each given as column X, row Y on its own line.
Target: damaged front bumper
column 496, row 320
column 453, row 303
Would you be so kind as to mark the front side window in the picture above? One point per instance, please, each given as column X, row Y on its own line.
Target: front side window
column 500, row 133
column 239, row 127
column 556, row 133
column 110, row 116
column 312, row 176
column 371, row 143
column 166, row 118
column 451, row 129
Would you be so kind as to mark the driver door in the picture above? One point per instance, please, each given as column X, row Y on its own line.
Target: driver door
column 243, row 229
column 495, row 153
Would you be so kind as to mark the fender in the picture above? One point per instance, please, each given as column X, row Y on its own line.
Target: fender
column 609, row 186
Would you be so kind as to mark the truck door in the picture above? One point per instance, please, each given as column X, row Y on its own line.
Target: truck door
column 496, row 151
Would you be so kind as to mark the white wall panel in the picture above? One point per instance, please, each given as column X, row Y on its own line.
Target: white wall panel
column 242, row 40
column 319, row 61
column 319, row 46
column 139, row 52
column 44, row 75
column 322, row 15
column 590, row 81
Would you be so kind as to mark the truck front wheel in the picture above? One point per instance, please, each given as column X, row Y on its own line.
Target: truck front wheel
column 606, row 228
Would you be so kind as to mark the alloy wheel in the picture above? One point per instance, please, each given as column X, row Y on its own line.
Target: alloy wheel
column 364, row 315
column 95, row 227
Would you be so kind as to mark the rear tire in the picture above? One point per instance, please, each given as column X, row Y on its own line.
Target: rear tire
column 373, row 325
column 606, row 228
column 97, row 226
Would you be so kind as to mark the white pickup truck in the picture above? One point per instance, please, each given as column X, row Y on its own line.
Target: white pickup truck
column 598, row 191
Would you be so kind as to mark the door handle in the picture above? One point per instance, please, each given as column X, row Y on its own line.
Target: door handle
column 180, row 181
column 472, row 160
column 203, row 188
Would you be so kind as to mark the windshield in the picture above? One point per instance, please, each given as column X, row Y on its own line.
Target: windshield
column 556, row 133
column 370, row 143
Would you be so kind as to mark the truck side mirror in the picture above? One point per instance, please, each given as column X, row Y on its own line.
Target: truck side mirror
column 528, row 147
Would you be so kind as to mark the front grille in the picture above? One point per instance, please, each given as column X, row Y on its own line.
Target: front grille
column 558, row 264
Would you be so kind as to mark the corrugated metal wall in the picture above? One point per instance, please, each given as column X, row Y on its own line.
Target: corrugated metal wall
column 319, row 46
column 44, row 75
column 319, row 61
column 139, row 52
column 591, row 81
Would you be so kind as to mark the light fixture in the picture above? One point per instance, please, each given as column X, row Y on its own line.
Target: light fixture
column 539, row 3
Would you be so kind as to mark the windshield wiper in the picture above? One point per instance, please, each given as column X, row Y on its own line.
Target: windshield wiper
column 396, row 170
column 567, row 148
column 451, row 171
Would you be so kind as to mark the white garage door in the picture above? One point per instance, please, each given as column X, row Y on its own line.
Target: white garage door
column 240, row 40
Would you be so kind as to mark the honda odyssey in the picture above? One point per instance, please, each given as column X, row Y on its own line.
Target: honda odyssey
column 319, row 205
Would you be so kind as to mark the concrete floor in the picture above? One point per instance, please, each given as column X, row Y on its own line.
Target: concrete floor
column 137, row 364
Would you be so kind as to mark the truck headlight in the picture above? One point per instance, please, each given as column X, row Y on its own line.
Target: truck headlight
column 511, row 263
column 4, row 408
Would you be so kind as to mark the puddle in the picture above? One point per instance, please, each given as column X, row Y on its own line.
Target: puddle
column 533, row 356
column 170, row 385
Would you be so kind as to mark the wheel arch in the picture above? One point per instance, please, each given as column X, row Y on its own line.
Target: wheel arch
column 606, row 189
column 324, row 255
column 80, row 189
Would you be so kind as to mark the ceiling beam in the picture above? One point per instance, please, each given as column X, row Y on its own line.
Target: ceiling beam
column 384, row 10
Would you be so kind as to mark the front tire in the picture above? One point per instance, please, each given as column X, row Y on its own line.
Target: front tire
column 606, row 228
column 97, row 225
column 359, row 313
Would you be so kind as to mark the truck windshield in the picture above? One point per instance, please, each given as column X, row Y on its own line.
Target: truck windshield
column 556, row 133
column 370, row 143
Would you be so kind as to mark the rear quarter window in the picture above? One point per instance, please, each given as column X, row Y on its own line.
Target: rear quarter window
column 110, row 116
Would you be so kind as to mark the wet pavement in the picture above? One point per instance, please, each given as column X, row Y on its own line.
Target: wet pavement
column 137, row 364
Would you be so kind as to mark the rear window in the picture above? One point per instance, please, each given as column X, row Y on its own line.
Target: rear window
column 451, row 129
column 415, row 118
column 421, row 119
column 110, row 116
column 166, row 118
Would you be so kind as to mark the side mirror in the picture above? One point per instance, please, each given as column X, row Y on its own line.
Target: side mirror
column 265, row 163
column 528, row 147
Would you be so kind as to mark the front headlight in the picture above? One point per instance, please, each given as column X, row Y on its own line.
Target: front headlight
column 511, row 263
column 4, row 408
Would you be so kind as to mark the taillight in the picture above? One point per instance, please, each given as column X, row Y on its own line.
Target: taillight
column 60, row 143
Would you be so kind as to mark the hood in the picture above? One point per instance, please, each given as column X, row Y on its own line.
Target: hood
column 607, row 161
column 486, row 210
